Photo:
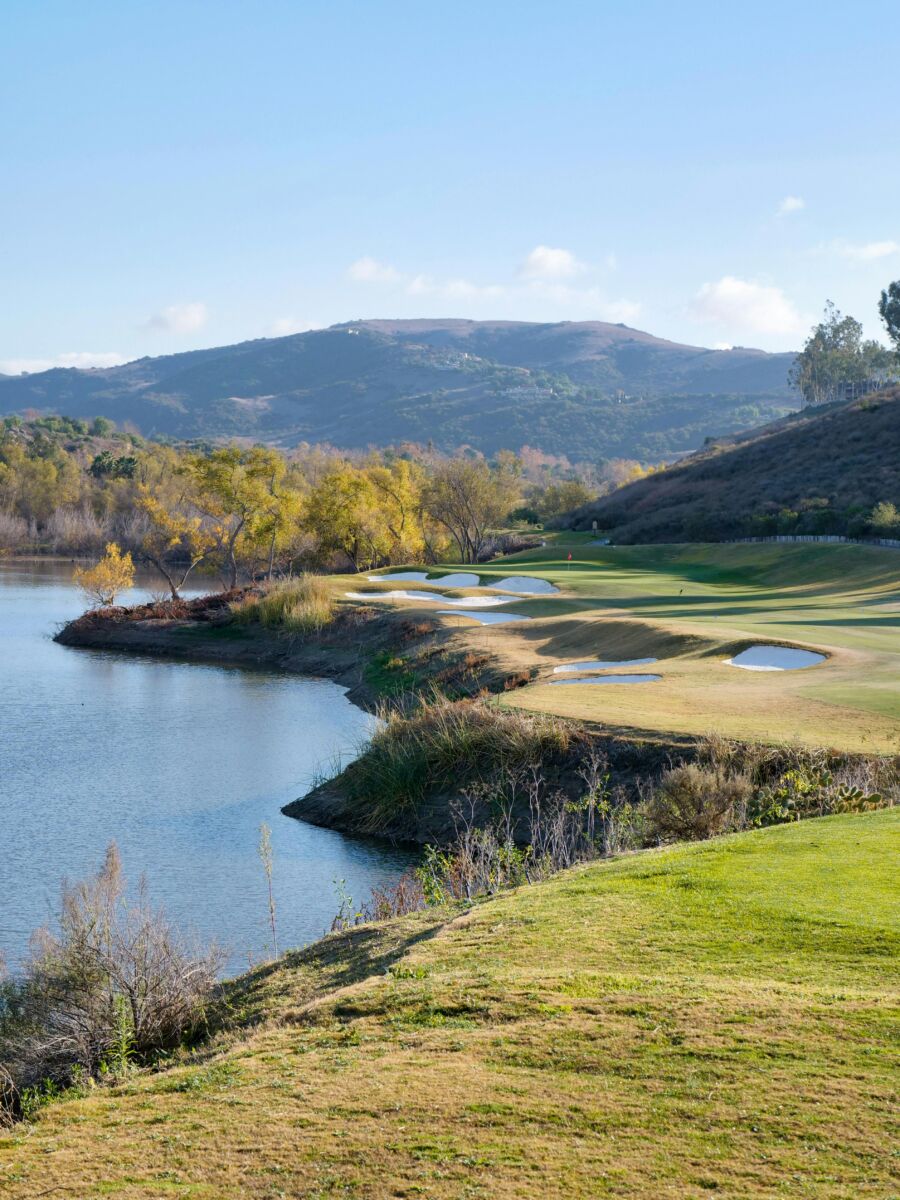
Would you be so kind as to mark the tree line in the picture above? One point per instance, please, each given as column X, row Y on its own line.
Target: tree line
column 240, row 511
column 838, row 363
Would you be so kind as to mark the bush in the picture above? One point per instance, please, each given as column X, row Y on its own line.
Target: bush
column 102, row 583
column 301, row 605
column 694, row 802
column 114, row 986
column 445, row 743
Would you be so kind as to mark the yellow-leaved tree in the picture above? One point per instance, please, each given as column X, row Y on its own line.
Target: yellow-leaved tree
column 114, row 573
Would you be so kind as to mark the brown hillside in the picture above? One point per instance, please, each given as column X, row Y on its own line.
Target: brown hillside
column 818, row 472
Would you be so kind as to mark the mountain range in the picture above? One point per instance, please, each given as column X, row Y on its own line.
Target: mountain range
column 584, row 389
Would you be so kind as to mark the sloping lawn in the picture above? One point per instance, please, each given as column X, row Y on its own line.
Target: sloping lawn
column 709, row 1019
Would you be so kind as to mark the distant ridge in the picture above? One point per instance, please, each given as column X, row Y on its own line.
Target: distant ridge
column 585, row 389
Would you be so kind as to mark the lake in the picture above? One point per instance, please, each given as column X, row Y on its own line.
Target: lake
column 178, row 763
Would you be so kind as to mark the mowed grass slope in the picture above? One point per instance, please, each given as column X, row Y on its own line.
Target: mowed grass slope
column 693, row 606
column 718, row 1018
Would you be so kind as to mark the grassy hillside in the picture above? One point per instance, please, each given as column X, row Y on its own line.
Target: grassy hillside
column 819, row 471
column 586, row 390
column 716, row 1018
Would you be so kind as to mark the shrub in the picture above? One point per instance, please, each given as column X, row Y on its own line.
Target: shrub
column 102, row 583
column 694, row 802
column 443, row 743
column 301, row 605
column 115, row 985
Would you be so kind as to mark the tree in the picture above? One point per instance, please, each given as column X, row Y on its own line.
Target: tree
column 467, row 498
column 234, row 490
column 884, row 520
column 342, row 512
column 835, row 355
column 889, row 309
column 114, row 573
column 176, row 539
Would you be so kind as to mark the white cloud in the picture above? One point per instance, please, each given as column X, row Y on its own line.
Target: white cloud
column 542, row 277
column 180, row 318
column 82, row 359
column 285, row 326
column 370, row 270
column 722, row 346
column 745, row 306
column 866, row 251
column 549, row 262
column 791, row 204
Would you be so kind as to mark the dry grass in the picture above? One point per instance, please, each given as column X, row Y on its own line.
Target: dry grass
column 444, row 744
column 302, row 605
column 718, row 1018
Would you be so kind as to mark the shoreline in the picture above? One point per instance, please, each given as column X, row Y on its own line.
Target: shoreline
column 341, row 653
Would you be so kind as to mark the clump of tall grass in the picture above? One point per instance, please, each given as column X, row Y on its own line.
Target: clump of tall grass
column 442, row 744
column 301, row 605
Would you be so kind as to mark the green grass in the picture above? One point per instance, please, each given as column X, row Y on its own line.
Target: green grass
column 719, row 1018
column 693, row 606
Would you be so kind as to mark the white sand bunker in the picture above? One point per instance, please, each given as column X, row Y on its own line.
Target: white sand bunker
column 607, row 679
column 461, row 579
column 774, row 658
column 484, row 618
column 597, row 664
column 433, row 598
column 525, row 585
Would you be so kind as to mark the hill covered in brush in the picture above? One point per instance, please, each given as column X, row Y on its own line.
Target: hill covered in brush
column 584, row 389
column 828, row 470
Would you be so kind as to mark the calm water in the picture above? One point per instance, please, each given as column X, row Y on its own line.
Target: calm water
column 179, row 764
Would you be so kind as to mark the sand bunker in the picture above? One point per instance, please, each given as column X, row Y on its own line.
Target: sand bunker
column 484, row 618
column 524, row 585
column 461, row 579
column 432, row 597
column 774, row 658
column 607, row 679
column 597, row 664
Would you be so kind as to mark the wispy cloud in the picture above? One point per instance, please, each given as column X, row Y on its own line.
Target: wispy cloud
column 551, row 262
column 791, row 204
column 180, row 318
column 82, row 359
column 370, row 270
column 544, row 276
column 862, row 252
column 747, row 307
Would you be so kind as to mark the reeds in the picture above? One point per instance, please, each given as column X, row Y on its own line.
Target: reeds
column 299, row 606
column 441, row 744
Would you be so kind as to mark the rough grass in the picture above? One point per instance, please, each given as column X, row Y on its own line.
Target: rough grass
column 719, row 1018
column 301, row 605
column 444, row 744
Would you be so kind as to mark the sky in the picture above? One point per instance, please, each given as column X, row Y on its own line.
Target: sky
column 201, row 172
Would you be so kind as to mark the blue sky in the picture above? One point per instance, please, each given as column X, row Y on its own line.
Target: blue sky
column 196, row 173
